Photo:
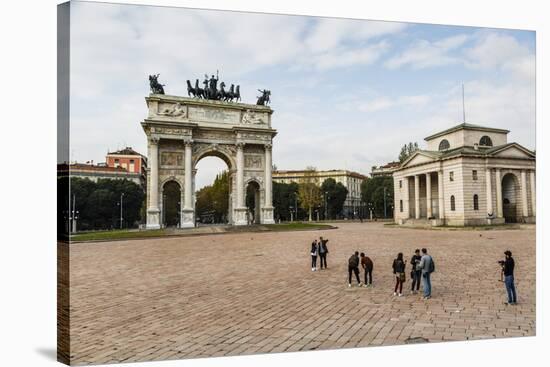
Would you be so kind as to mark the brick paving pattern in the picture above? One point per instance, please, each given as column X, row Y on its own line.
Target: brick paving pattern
column 245, row 293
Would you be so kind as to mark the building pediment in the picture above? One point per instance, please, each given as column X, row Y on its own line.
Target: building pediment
column 418, row 157
column 512, row 150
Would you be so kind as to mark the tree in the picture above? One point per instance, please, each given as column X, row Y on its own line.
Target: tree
column 336, row 194
column 407, row 150
column 309, row 193
column 213, row 200
column 372, row 192
column 98, row 203
column 284, row 197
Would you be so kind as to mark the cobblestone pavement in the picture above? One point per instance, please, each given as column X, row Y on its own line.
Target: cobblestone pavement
column 255, row 293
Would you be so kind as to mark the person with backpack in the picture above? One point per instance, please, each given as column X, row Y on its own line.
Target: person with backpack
column 399, row 271
column 314, row 252
column 367, row 265
column 427, row 267
column 323, row 251
column 353, row 267
column 416, row 272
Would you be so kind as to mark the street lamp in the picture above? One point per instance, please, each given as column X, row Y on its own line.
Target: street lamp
column 121, row 197
column 326, row 207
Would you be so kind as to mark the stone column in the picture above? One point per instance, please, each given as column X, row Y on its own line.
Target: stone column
column 239, row 217
column 188, row 217
column 267, row 215
column 440, row 194
column 499, row 193
column 153, row 212
column 240, row 175
column 489, row 192
column 524, row 193
column 532, row 181
column 406, row 198
column 417, row 196
column 429, row 195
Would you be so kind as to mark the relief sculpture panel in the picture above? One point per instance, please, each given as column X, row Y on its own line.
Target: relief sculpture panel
column 214, row 115
column 171, row 159
column 253, row 161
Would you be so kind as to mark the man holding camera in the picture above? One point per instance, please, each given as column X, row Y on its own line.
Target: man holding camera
column 508, row 270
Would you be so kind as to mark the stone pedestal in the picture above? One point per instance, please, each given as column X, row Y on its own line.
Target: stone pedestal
column 187, row 218
column 437, row 222
column 153, row 219
column 491, row 221
column 267, row 215
column 239, row 216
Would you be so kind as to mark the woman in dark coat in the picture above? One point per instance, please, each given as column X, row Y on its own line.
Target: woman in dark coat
column 399, row 271
column 314, row 253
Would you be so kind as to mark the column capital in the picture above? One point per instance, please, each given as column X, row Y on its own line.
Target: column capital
column 187, row 141
column 268, row 146
column 154, row 139
column 240, row 145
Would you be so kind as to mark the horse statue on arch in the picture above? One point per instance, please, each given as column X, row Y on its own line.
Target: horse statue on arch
column 264, row 99
column 195, row 91
column 156, row 87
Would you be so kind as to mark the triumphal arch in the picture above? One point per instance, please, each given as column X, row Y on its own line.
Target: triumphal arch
column 183, row 130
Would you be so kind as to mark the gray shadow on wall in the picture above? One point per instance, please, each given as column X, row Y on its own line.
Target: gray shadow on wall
column 49, row 353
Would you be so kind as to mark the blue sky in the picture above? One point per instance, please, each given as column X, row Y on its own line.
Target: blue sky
column 346, row 93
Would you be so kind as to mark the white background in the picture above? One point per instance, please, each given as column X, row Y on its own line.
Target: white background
column 28, row 203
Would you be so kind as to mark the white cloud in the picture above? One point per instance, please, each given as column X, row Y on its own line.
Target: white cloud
column 423, row 54
column 383, row 103
column 345, row 57
column 504, row 52
column 329, row 33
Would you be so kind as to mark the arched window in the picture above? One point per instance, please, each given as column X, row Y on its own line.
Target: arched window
column 453, row 203
column 444, row 145
column 485, row 141
column 476, row 202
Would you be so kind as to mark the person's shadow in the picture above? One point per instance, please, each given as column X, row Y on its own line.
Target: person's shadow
column 49, row 353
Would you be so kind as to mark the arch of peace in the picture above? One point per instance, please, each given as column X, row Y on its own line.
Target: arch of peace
column 181, row 131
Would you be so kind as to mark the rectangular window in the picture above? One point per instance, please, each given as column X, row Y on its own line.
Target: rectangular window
column 117, row 163
column 401, row 206
column 451, row 176
column 474, row 175
column 400, row 184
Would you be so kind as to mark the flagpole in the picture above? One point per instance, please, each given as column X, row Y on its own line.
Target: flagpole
column 463, row 107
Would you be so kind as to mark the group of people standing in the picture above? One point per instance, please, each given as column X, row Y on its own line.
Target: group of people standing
column 421, row 268
column 319, row 249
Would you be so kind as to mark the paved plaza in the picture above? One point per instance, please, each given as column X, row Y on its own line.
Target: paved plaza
column 244, row 293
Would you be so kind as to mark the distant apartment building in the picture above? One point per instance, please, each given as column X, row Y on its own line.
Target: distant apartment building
column 351, row 180
column 385, row 170
column 128, row 159
column 123, row 164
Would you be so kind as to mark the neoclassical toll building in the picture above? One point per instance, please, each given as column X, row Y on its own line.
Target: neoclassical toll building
column 181, row 131
column 468, row 175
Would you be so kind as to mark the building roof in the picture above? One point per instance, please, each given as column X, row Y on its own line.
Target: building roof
column 126, row 151
column 82, row 167
column 466, row 151
column 466, row 126
column 332, row 172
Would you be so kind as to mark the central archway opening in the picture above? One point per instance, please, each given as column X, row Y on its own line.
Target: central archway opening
column 171, row 204
column 212, row 190
column 253, row 202
column 510, row 198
